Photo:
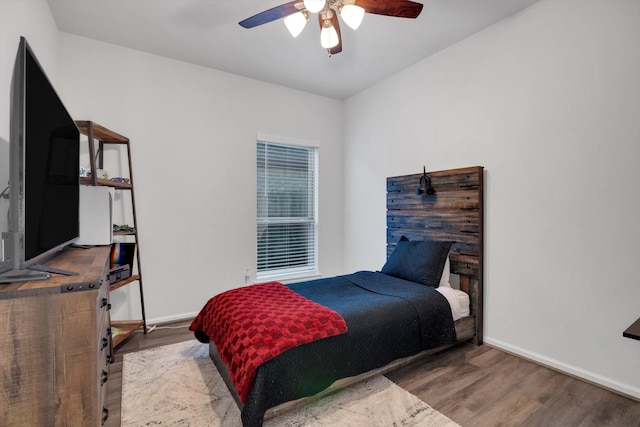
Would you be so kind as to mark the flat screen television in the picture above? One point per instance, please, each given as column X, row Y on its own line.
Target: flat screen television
column 44, row 191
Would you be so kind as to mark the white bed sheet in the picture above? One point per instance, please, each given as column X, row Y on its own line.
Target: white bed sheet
column 458, row 301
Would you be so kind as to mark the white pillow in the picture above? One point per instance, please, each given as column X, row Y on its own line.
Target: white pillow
column 446, row 272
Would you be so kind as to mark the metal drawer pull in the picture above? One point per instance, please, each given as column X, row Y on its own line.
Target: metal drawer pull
column 105, row 302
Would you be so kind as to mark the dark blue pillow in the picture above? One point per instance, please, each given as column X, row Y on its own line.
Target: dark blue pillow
column 418, row 261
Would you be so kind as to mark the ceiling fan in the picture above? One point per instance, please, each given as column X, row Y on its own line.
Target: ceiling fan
column 296, row 14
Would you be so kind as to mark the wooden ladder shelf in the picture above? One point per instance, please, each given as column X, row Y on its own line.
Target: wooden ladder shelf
column 95, row 132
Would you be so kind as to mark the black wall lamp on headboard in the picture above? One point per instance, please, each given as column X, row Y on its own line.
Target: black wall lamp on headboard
column 425, row 184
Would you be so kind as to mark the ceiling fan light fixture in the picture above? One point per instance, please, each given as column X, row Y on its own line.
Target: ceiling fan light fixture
column 314, row 6
column 352, row 15
column 295, row 23
column 328, row 35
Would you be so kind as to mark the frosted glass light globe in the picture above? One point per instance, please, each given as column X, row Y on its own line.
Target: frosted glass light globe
column 314, row 6
column 295, row 23
column 352, row 15
column 328, row 37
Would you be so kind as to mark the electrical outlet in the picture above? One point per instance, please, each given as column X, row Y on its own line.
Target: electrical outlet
column 247, row 276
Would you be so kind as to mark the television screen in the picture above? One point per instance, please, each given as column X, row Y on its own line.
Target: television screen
column 44, row 183
column 52, row 162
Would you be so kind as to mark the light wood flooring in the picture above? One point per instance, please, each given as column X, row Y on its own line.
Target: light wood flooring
column 474, row 386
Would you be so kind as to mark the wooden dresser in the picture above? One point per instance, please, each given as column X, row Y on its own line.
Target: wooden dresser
column 55, row 344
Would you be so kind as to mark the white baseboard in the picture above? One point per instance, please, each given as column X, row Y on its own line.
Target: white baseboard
column 616, row 386
column 187, row 317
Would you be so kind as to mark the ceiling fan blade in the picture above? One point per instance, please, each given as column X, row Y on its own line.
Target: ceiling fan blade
column 337, row 48
column 397, row 8
column 334, row 21
column 272, row 14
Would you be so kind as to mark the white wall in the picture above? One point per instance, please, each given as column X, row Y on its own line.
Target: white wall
column 193, row 133
column 33, row 20
column 548, row 101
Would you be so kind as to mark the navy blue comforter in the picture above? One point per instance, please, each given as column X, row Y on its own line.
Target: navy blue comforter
column 387, row 319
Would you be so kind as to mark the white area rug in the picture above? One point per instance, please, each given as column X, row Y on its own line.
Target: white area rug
column 178, row 385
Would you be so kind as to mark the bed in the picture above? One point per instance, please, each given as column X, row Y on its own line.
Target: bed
column 394, row 316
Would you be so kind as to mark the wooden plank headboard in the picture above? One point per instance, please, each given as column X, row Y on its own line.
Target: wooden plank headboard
column 455, row 212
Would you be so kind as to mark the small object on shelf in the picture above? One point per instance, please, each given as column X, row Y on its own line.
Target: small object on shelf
column 118, row 179
column 119, row 273
column 103, row 174
column 123, row 228
column 122, row 254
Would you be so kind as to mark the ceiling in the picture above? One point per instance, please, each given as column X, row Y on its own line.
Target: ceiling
column 206, row 32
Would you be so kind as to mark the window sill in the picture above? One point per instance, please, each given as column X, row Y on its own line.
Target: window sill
column 289, row 278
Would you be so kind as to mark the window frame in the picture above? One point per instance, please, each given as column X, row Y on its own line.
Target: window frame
column 310, row 269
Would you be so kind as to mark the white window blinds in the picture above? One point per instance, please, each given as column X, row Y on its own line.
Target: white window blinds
column 287, row 206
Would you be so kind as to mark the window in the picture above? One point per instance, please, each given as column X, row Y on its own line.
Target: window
column 287, row 209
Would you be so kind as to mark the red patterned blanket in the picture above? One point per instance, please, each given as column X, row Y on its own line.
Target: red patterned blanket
column 253, row 324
